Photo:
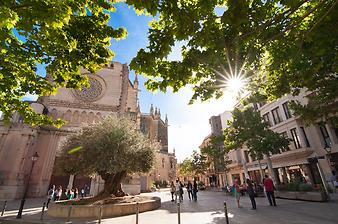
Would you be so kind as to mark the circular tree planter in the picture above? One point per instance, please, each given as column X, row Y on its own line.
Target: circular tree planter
column 61, row 209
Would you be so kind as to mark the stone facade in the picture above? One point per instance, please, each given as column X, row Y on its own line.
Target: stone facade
column 156, row 129
column 111, row 92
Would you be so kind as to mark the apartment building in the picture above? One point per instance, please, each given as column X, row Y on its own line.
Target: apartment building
column 309, row 144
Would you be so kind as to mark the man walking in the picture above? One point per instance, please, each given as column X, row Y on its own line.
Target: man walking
column 270, row 190
column 50, row 195
column 194, row 190
column 251, row 192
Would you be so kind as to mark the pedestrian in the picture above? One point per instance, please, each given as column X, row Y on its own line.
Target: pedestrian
column 67, row 193
column 177, row 190
column 194, row 190
column 189, row 190
column 334, row 180
column 82, row 193
column 237, row 192
column 50, row 195
column 172, row 190
column 72, row 193
column 87, row 190
column 76, row 193
column 270, row 190
column 181, row 191
column 251, row 192
column 59, row 193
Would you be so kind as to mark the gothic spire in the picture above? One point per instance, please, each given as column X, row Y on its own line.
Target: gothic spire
column 136, row 82
column 151, row 109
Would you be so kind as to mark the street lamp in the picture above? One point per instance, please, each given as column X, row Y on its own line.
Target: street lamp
column 34, row 158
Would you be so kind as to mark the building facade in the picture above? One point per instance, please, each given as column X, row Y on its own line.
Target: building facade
column 309, row 144
column 110, row 93
column 152, row 125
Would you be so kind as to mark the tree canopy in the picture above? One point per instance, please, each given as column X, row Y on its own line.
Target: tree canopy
column 249, row 128
column 194, row 165
column 112, row 148
column 62, row 36
column 282, row 46
column 217, row 153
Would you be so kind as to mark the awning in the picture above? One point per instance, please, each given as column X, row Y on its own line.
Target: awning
column 256, row 167
column 291, row 158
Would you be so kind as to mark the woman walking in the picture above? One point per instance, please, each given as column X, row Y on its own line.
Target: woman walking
column 172, row 190
column 189, row 189
column 251, row 193
column 237, row 192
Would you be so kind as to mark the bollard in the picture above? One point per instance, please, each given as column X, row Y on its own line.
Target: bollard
column 226, row 213
column 69, row 213
column 137, row 211
column 100, row 214
column 179, row 212
column 43, row 210
column 4, row 208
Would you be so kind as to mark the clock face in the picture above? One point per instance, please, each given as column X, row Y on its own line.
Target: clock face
column 92, row 93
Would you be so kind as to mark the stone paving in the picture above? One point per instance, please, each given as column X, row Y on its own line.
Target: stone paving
column 207, row 210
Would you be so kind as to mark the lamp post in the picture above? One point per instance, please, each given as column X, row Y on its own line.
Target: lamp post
column 34, row 158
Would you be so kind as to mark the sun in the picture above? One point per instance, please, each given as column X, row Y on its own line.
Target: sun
column 235, row 84
column 232, row 81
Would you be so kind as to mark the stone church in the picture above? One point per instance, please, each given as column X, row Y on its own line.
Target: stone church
column 110, row 92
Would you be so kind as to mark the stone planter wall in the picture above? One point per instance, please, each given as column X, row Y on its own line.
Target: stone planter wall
column 305, row 196
column 109, row 210
column 131, row 189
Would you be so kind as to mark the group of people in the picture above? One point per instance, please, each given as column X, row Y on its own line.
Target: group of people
column 177, row 190
column 57, row 194
column 269, row 190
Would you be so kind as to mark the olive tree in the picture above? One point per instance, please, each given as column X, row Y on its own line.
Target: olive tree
column 112, row 148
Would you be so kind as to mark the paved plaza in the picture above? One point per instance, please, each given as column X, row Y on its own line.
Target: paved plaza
column 207, row 210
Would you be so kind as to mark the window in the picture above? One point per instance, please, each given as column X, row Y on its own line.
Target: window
column 276, row 117
column 20, row 119
column 287, row 111
column 336, row 131
column 325, row 134
column 262, row 103
column 267, row 118
column 162, row 162
column 246, row 156
column 305, row 137
column 295, row 138
column 285, row 135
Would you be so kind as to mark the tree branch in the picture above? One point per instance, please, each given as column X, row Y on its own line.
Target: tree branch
column 276, row 19
column 319, row 21
column 297, row 22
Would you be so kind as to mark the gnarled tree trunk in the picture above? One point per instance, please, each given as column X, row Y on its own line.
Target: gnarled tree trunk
column 112, row 184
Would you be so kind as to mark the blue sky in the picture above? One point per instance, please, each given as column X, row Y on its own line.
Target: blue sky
column 188, row 124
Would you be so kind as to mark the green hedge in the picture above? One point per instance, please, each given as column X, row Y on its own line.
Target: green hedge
column 295, row 186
